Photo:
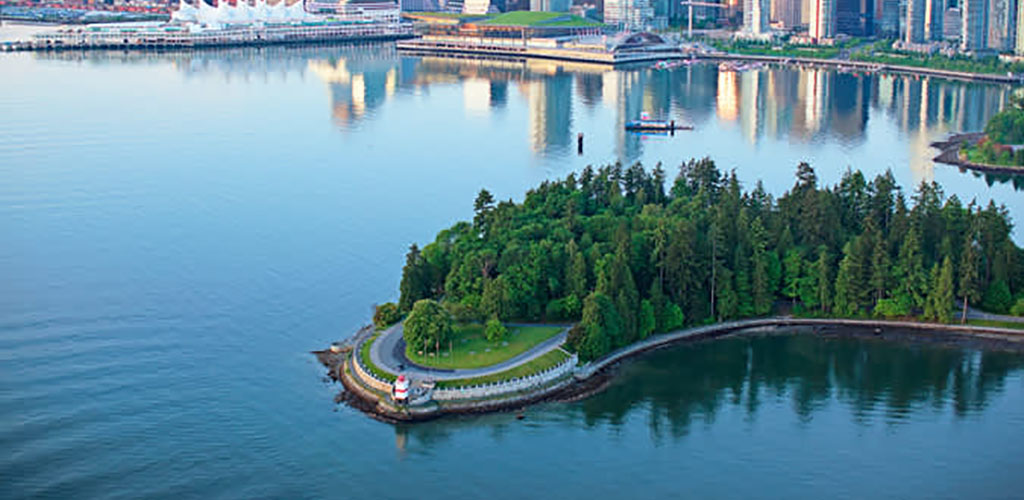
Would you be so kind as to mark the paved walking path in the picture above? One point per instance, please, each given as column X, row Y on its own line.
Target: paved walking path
column 973, row 313
column 388, row 353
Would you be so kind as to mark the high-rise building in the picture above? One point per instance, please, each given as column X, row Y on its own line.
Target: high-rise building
column 1020, row 27
column 787, row 13
column 548, row 5
column 822, row 22
column 755, row 16
column 628, row 14
column 1002, row 24
column 952, row 25
column 476, row 7
column 888, row 18
column 974, row 35
column 915, row 21
column 925, row 20
column 855, row 17
column 934, row 16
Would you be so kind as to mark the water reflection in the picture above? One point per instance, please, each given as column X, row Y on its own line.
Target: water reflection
column 871, row 381
column 875, row 380
column 803, row 105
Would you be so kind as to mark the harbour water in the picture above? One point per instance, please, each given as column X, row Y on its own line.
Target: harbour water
column 180, row 229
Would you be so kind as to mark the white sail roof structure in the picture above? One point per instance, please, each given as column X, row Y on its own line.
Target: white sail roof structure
column 242, row 13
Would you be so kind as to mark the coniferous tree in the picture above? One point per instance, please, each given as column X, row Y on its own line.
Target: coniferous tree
column 413, row 286
column 881, row 268
column 760, row 280
column 823, row 276
column 911, row 278
column 845, row 296
column 968, row 282
column 940, row 294
column 792, row 268
column 610, row 238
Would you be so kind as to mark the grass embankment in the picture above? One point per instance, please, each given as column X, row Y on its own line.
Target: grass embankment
column 364, row 356
column 539, row 364
column 539, row 19
column 995, row 323
column 784, row 50
column 881, row 53
column 471, row 349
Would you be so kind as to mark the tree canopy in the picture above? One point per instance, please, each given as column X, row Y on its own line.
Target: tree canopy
column 612, row 248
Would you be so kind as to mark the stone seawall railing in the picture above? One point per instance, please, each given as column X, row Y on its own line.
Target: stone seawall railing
column 720, row 329
column 869, row 65
column 507, row 386
column 365, row 375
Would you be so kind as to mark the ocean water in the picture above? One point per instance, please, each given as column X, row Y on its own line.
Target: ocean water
column 178, row 231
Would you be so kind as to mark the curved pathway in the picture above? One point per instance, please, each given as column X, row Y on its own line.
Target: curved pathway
column 388, row 353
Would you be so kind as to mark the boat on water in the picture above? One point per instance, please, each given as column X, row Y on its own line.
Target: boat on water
column 646, row 124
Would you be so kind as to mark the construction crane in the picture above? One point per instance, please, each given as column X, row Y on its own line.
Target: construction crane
column 690, row 4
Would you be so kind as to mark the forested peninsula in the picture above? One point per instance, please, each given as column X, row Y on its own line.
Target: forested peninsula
column 624, row 253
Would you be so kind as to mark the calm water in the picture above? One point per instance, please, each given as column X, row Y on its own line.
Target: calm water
column 178, row 231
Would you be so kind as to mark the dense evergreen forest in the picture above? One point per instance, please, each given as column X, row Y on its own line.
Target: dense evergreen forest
column 611, row 249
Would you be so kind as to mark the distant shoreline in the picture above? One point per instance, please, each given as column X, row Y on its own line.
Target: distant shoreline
column 594, row 376
column 950, row 155
column 868, row 66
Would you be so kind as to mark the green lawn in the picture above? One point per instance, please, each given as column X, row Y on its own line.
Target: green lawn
column 976, row 155
column 763, row 49
column 530, row 18
column 990, row 65
column 996, row 324
column 470, row 349
column 364, row 355
column 548, row 360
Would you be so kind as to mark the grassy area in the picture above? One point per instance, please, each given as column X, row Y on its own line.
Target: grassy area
column 996, row 324
column 470, row 349
column 444, row 15
column 538, row 19
column 549, row 360
column 364, row 355
column 989, row 65
column 765, row 49
column 987, row 156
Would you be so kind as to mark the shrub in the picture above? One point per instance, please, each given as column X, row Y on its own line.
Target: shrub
column 997, row 298
column 1018, row 308
column 494, row 330
column 386, row 314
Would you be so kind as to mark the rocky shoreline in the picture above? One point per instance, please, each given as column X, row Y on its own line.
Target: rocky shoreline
column 595, row 376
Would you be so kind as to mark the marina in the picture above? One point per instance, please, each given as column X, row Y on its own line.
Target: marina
column 229, row 26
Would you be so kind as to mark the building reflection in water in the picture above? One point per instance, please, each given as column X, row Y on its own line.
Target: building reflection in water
column 808, row 105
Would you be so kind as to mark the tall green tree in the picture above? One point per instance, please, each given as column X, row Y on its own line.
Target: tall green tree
column 970, row 288
column 940, row 294
column 414, row 285
column 428, row 326
column 911, row 277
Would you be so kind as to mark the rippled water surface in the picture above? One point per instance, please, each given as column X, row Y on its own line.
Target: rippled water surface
column 177, row 231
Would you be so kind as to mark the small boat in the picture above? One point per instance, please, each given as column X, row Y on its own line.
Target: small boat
column 645, row 124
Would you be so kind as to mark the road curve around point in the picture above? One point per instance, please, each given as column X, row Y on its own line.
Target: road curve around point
column 388, row 353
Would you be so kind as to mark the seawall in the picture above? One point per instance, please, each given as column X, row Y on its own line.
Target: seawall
column 868, row 66
column 591, row 377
